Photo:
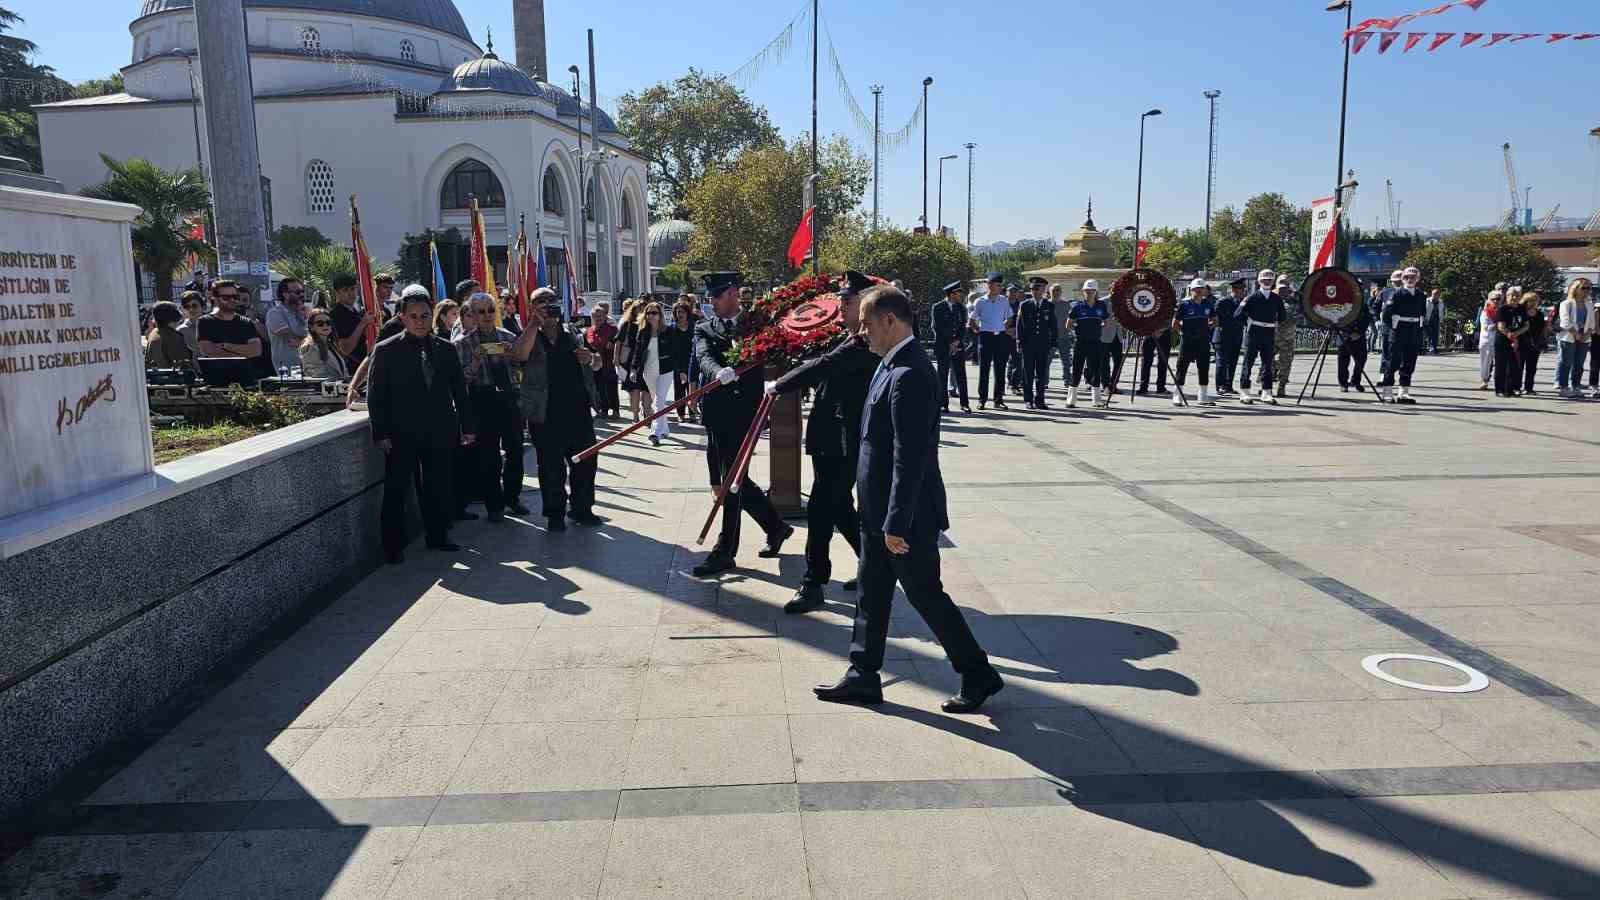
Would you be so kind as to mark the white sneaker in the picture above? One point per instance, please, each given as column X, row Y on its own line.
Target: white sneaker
column 1205, row 397
column 1245, row 398
column 1095, row 396
column 1266, row 395
column 1177, row 397
column 1072, row 397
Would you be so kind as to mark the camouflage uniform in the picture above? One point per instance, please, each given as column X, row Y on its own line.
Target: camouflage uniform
column 1283, row 342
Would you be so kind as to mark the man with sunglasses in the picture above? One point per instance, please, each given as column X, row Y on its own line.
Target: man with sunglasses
column 486, row 362
column 193, row 305
column 286, row 322
column 223, row 332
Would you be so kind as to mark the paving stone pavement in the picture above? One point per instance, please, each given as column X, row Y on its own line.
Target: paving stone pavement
column 1180, row 601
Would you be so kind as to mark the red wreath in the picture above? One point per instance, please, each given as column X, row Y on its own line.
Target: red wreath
column 796, row 322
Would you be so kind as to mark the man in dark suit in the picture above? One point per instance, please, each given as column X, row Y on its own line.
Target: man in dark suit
column 728, row 413
column 1036, row 332
column 833, row 441
column 902, row 512
column 949, row 324
column 417, row 404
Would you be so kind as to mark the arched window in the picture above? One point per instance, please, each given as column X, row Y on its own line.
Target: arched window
column 469, row 179
column 627, row 210
column 554, row 202
column 319, row 187
column 588, row 202
column 408, row 50
column 310, row 39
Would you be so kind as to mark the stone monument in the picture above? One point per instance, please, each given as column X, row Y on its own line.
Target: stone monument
column 1086, row 253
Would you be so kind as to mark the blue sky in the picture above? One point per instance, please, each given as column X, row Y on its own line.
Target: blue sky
column 1052, row 91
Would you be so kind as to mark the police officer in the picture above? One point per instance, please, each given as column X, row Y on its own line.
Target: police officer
column 1385, row 330
column 1404, row 312
column 728, row 413
column 1194, row 320
column 1353, row 349
column 1087, row 318
column 1036, row 332
column 949, row 321
column 1283, row 340
column 1160, row 342
column 833, row 441
column 1014, row 376
column 1229, row 336
column 1262, row 313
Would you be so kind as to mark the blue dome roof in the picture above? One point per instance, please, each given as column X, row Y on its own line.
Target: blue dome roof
column 491, row 73
column 567, row 105
column 440, row 15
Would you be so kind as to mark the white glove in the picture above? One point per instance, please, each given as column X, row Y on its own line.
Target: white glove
column 727, row 375
column 772, row 388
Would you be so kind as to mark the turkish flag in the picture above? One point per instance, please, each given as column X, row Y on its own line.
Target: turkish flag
column 1361, row 41
column 1496, row 38
column 1557, row 37
column 800, row 244
column 1386, row 40
column 1470, row 37
column 1412, row 39
column 1440, row 39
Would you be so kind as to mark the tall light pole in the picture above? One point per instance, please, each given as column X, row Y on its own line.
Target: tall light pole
column 581, row 264
column 925, row 83
column 941, row 190
column 816, row 172
column 1211, row 160
column 1138, row 194
column 970, row 145
column 1344, row 107
column 877, row 122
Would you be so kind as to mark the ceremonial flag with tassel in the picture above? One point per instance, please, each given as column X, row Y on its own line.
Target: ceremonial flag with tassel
column 440, row 289
column 369, row 293
column 482, row 269
column 521, row 274
column 541, row 278
column 572, row 281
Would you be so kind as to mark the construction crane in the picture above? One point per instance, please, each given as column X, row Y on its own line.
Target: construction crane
column 1394, row 214
column 1516, row 194
column 1544, row 223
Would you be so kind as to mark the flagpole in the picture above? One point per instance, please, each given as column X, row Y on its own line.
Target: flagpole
column 815, row 262
column 1344, row 108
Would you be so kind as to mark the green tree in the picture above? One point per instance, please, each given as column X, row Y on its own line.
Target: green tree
column 99, row 87
column 1270, row 233
column 317, row 267
column 924, row 264
column 291, row 240
column 26, row 84
column 746, row 214
column 1122, row 243
column 1466, row 267
column 695, row 125
column 1016, row 259
column 160, row 239
column 416, row 259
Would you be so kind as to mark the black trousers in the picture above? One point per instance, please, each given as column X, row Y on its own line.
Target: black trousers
column 1035, row 372
column 918, row 573
column 994, row 351
column 605, row 385
column 1258, row 342
column 721, row 449
column 831, row 507
column 1594, row 363
column 400, row 466
column 564, row 486
column 1386, row 361
column 1111, row 363
column 1090, row 356
column 1507, row 368
column 1193, row 349
column 1405, row 345
column 950, row 364
column 499, row 447
column 1530, row 364
column 1352, row 349
column 1228, row 347
column 1433, row 335
column 1161, row 343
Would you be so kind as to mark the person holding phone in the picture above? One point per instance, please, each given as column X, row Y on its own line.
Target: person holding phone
column 492, row 395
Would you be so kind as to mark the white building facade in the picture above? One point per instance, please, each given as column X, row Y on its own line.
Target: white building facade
column 392, row 102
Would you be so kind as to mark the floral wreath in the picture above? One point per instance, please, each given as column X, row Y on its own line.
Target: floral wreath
column 765, row 336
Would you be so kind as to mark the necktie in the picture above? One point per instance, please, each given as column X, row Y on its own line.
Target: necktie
column 427, row 364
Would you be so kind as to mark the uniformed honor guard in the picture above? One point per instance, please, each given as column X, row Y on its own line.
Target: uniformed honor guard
column 987, row 319
column 728, row 413
column 833, row 441
column 1229, row 336
column 1385, row 332
column 949, row 322
column 1087, row 318
column 1404, row 313
column 1160, row 342
column 1283, row 339
column 1194, row 320
column 1261, row 313
column 1036, row 330
column 1353, row 349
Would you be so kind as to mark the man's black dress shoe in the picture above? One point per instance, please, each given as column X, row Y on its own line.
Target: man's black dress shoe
column 464, row 516
column 555, row 523
column 588, row 519
column 518, row 508
column 713, row 564
column 805, row 600
column 851, row 585
column 854, row 687
column 446, row 546
column 775, row 542
column 974, row 693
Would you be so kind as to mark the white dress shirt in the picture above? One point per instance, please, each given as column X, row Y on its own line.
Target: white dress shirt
column 991, row 313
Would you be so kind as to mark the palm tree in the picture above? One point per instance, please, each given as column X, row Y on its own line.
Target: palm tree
column 160, row 238
column 317, row 267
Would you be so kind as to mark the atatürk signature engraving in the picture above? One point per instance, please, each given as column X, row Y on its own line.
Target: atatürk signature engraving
column 72, row 415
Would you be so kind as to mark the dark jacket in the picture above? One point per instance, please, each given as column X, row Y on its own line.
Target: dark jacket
column 949, row 324
column 679, row 342
column 407, row 406
column 639, row 353
column 898, row 483
column 840, row 377
column 728, row 409
column 1262, row 306
column 1036, row 324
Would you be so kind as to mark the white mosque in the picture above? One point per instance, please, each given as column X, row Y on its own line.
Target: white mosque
column 390, row 100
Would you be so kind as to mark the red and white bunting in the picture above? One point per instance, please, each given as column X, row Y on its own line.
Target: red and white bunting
column 1412, row 39
column 1440, row 39
column 1522, row 37
column 1360, row 41
column 1496, row 38
column 1471, row 37
column 1557, row 37
column 1397, row 21
column 1386, row 40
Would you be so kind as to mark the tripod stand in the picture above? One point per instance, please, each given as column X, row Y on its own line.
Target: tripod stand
column 1322, row 360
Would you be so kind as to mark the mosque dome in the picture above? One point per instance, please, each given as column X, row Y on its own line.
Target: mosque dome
column 491, row 73
column 439, row 15
column 669, row 238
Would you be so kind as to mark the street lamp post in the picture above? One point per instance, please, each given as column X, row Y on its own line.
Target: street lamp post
column 925, row 83
column 971, row 145
column 941, row 190
column 1138, row 194
column 581, row 264
column 1344, row 106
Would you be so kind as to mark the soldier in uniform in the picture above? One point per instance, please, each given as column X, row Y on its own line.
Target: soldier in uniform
column 833, row 441
column 1385, row 331
column 1193, row 320
column 1036, row 332
column 949, row 321
column 1283, row 341
column 1262, row 313
column 728, row 413
column 1087, row 318
column 1229, row 336
column 1160, row 342
column 1404, row 312
column 1353, row 348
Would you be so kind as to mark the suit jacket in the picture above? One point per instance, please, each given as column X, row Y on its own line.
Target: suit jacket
column 949, row 324
column 1036, row 324
column 898, row 483
column 840, row 377
column 407, row 406
column 730, row 408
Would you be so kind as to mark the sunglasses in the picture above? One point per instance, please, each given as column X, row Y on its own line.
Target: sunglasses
column 322, row 323
column 654, row 315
